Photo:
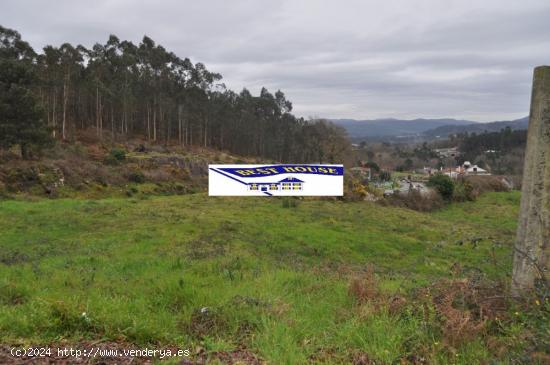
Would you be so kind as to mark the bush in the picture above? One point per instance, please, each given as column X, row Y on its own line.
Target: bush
column 482, row 184
column 136, row 176
column 443, row 184
column 415, row 200
column 354, row 190
column 115, row 156
column 21, row 178
column 464, row 191
column 360, row 192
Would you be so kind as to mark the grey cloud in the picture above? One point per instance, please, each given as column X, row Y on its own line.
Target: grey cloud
column 359, row 59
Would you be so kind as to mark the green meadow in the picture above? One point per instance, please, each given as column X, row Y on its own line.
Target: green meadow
column 262, row 274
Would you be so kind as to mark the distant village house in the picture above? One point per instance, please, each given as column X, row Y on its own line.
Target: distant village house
column 466, row 169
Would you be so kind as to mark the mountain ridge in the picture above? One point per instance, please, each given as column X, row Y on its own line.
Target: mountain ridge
column 420, row 127
column 444, row 131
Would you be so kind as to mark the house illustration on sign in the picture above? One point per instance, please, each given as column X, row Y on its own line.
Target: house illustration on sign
column 289, row 183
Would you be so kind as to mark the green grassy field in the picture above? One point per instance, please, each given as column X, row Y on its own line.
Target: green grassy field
column 273, row 280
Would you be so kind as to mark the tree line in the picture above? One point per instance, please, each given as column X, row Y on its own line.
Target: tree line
column 506, row 140
column 120, row 90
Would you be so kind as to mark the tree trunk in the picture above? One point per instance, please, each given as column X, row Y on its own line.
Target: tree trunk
column 187, row 136
column 48, row 117
column 100, row 119
column 65, row 98
column 205, row 128
column 54, row 115
column 154, row 124
column 97, row 110
column 168, row 128
column 122, row 130
column 531, row 254
column 148, row 122
column 180, row 127
column 112, row 122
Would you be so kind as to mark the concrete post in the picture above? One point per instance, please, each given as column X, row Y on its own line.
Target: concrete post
column 531, row 255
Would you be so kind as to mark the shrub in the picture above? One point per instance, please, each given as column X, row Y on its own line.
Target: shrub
column 464, row 191
column 80, row 150
column 443, row 184
column 21, row 178
column 354, row 190
column 416, row 200
column 115, row 156
column 482, row 184
column 118, row 154
column 136, row 176
column 360, row 191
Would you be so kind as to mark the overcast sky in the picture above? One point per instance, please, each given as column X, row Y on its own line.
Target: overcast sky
column 358, row 59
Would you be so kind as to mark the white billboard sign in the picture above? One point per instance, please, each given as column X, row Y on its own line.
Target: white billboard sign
column 276, row 180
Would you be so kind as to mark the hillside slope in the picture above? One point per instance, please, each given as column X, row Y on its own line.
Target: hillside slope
column 97, row 170
column 227, row 276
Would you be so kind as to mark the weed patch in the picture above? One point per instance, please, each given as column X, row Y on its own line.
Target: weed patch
column 12, row 294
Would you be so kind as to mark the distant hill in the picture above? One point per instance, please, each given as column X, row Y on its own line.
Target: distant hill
column 418, row 129
column 394, row 127
column 446, row 130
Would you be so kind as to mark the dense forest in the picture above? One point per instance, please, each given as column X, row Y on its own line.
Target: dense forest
column 502, row 152
column 472, row 144
column 120, row 90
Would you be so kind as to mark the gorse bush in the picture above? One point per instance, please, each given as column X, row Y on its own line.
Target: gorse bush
column 115, row 156
column 118, row 154
column 443, row 184
column 464, row 191
column 354, row 190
